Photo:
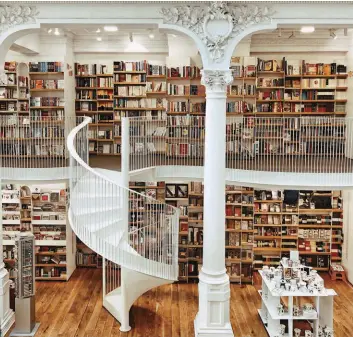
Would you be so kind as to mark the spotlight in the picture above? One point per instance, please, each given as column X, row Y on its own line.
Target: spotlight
column 307, row 29
column 151, row 35
column 49, row 30
column 98, row 30
column 110, row 28
column 99, row 38
column 56, row 32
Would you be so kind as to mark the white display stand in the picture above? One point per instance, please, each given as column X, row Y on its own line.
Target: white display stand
column 271, row 299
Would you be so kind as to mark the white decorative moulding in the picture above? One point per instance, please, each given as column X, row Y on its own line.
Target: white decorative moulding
column 198, row 19
column 216, row 80
column 16, row 15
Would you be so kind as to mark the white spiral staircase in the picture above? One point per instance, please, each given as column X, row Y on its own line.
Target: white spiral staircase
column 127, row 228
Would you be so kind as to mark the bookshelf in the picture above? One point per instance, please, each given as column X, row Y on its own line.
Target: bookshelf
column 42, row 210
column 239, row 229
column 287, row 88
column 86, row 257
column 94, row 98
column 261, row 226
column 308, row 221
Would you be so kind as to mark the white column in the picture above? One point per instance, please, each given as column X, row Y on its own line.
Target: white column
column 214, row 292
column 125, row 154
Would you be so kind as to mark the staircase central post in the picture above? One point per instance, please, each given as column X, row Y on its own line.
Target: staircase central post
column 213, row 318
column 125, row 156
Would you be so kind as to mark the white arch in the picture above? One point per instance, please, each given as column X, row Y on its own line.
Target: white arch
column 8, row 37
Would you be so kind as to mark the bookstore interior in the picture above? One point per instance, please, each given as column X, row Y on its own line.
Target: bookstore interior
column 282, row 242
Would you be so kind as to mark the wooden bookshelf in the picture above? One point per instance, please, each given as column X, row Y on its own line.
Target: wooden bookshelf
column 273, row 90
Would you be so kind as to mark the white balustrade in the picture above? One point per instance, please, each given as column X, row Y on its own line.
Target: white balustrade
column 265, row 144
column 34, row 148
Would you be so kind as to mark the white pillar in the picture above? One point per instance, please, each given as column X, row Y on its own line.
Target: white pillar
column 125, row 154
column 214, row 292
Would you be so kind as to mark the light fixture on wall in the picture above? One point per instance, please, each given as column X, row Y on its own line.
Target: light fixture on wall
column 134, row 47
column 307, row 29
column 151, row 34
column 110, row 28
column 99, row 38
column 56, row 32
column 98, row 30
column 49, row 30
column 332, row 34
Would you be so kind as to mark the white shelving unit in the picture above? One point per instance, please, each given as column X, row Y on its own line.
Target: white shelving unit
column 42, row 220
column 321, row 316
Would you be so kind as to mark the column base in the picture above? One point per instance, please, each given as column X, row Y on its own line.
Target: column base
column 213, row 318
column 7, row 322
column 7, row 315
column 225, row 331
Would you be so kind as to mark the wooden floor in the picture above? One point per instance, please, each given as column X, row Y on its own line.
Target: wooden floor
column 74, row 309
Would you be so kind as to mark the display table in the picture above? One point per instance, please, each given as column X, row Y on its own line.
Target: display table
column 294, row 319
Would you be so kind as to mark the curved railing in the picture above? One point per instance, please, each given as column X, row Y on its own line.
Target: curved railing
column 124, row 226
column 297, row 147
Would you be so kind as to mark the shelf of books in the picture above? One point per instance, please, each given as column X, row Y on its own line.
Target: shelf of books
column 185, row 94
column 86, row 257
column 42, row 210
column 287, row 88
column 239, row 233
column 94, row 98
column 308, row 221
column 46, row 82
column 261, row 227
column 14, row 89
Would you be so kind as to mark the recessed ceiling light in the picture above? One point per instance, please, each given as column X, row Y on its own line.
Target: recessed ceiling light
column 307, row 29
column 49, row 30
column 99, row 38
column 56, row 32
column 98, row 30
column 110, row 28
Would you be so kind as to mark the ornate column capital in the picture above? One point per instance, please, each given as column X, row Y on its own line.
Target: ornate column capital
column 216, row 80
column 217, row 23
column 12, row 15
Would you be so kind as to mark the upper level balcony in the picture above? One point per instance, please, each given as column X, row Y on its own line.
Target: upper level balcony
column 34, row 148
column 303, row 152
column 306, row 152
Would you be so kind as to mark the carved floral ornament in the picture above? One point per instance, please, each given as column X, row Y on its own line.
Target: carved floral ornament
column 16, row 15
column 197, row 19
column 216, row 80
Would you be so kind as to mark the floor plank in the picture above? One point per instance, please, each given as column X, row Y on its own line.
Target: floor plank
column 74, row 309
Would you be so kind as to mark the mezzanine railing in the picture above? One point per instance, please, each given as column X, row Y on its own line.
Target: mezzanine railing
column 293, row 144
column 35, row 147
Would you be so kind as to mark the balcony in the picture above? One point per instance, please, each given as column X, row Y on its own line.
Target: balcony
column 301, row 152
column 35, row 148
